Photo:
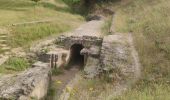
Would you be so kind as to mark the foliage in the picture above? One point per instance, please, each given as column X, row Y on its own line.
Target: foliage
column 57, row 71
column 72, row 1
column 150, row 27
column 107, row 25
column 149, row 23
column 14, row 64
column 20, row 11
column 36, row 0
column 146, row 92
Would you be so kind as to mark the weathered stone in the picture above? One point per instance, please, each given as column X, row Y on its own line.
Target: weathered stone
column 113, row 53
column 30, row 83
column 86, row 41
column 92, row 51
column 117, row 57
column 92, row 68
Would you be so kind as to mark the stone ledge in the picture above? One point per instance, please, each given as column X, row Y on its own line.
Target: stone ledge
column 30, row 83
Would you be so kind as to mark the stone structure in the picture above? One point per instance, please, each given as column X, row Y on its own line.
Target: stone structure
column 111, row 54
column 86, row 41
column 117, row 57
column 30, row 84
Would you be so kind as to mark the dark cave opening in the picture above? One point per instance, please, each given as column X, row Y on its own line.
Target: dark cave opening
column 75, row 57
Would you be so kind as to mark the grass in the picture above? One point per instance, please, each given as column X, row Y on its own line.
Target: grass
column 57, row 71
column 107, row 25
column 91, row 89
column 151, row 33
column 146, row 92
column 14, row 64
column 149, row 23
column 20, row 11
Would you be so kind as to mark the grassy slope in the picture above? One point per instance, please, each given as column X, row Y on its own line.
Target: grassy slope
column 149, row 21
column 18, row 11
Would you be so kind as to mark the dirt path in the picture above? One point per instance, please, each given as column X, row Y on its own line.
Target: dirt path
column 59, row 82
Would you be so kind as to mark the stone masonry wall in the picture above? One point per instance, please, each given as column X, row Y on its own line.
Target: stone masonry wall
column 117, row 58
column 32, row 83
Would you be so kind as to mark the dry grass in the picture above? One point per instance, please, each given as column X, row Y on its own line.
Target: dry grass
column 20, row 11
column 95, row 89
column 149, row 22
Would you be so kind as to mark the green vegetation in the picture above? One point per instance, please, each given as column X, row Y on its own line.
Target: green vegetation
column 94, row 89
column 57, row 71
column 149, row 21
column 107, row 25
column 147, row 92
column 59, row 16
column 14, row 64
column 25, row 35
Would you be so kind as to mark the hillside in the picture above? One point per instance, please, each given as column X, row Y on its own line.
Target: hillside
column 122, row 51
column 149, row 22
column 54, row 16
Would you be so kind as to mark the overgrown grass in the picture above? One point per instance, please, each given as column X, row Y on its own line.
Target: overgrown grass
column 150, row 25
column 14, row 64
column 61, row 16
column 107, row 25
column 12, row 11
column 25, row 35
column 146, row 92
column 94, row 89
column 149, row 21
column 57, row 71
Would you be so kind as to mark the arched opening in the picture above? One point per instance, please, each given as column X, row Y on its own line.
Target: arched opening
column 75, row 57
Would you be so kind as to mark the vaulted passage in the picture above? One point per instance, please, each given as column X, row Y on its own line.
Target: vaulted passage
column 75, row 57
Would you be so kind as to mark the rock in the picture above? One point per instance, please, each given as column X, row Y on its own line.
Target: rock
column 117, row 57
column 86, row 41
column 94, row 51
column 91, row 70
column 32, row 83
column 94, row 17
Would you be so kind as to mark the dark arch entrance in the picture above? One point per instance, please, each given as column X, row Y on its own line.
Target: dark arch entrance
column 75, row 57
